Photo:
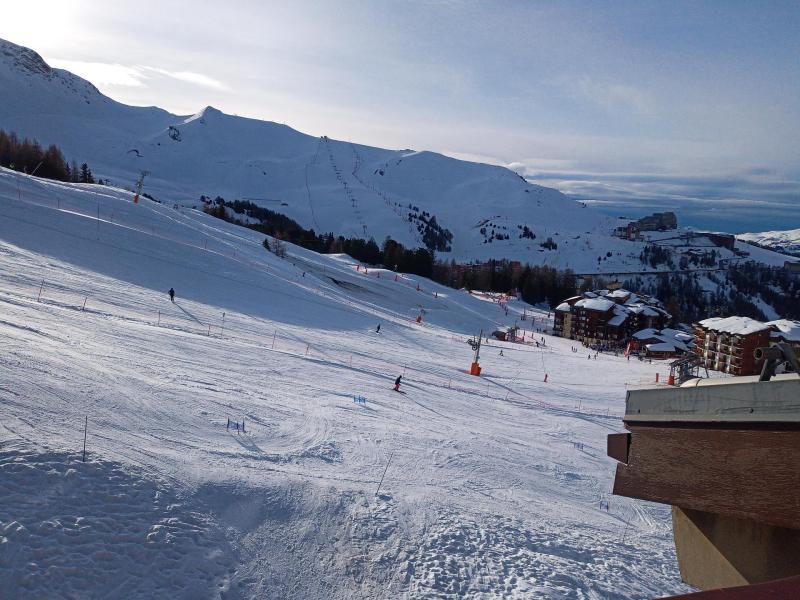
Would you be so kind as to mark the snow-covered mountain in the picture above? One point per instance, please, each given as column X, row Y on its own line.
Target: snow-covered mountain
column 782, row 241
column 324, row 184
column 55, row 106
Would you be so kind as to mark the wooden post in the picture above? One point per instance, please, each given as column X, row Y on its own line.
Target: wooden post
column 159, row 318
column 209, row 329
column 85, row 427
column 41, row 287
column 306, row 349
column 84, row 303
column 223, row 323
column 273, row 339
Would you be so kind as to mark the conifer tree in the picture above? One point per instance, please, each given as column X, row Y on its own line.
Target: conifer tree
column 86, row 174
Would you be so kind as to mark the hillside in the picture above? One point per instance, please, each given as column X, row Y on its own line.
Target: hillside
column 324, row 184
column 781, row 241
column 489, row 487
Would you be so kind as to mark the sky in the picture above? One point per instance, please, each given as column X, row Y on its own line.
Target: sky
column 631, row 106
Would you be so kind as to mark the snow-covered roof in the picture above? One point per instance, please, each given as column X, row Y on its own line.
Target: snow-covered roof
column 564, row 307
column 788, row 330
column 600, row 304
column 674, row 338
column 645, row 334
column 734, row 325
column 644, row 309
column 677, row 334
column 661, row 347
column 617, row 319
column 604, row 300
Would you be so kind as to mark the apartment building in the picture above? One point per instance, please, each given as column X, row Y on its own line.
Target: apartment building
column 726, row 344
column 607, row 318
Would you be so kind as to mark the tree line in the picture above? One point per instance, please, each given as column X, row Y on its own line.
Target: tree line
column 536, row 283
column 28, row 156
column 392, row 255
column 683, row 295
column 735, row 292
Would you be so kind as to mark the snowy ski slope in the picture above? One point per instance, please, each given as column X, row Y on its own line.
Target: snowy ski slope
column 492, row 487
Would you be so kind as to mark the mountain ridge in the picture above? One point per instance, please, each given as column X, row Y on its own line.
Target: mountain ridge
column 787, row 240
column 213, row 153
column 325, row 184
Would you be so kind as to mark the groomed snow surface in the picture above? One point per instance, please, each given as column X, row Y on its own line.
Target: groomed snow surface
column 492, row 487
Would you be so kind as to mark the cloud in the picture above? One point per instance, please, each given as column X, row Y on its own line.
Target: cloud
column 115, row 74
column 610, row 95
column 102, row 73
column 750, row 199
column 535, row 164
column 189, row 77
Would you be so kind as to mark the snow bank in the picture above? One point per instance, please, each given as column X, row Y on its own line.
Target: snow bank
column 100, row 528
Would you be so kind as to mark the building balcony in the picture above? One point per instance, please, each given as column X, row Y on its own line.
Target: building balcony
column 734, row 515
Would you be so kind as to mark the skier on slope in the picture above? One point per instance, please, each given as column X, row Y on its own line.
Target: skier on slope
column 171, row 294
column 378, row 328
column 397, row 383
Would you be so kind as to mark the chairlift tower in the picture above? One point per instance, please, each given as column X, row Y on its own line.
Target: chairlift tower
column 475, row 368
column 139, row 184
